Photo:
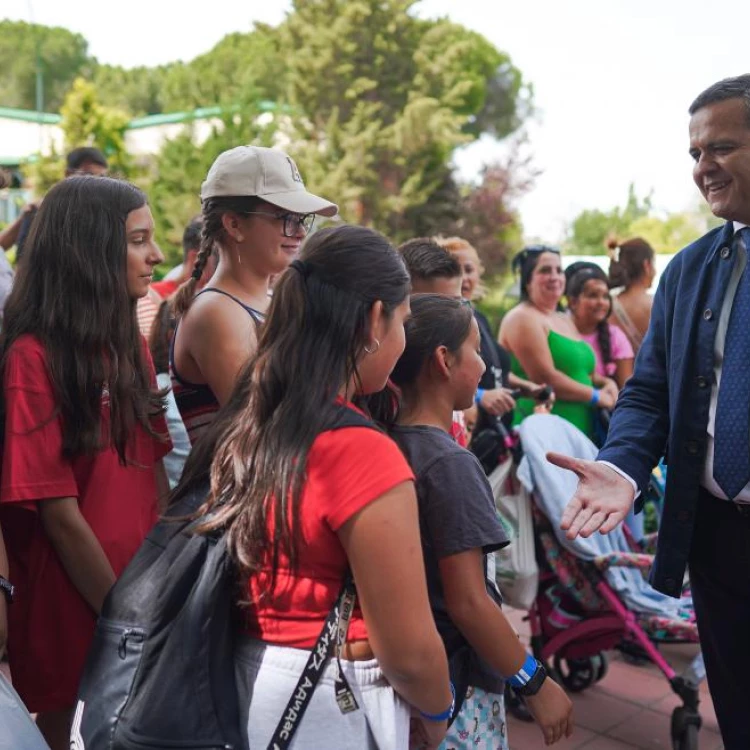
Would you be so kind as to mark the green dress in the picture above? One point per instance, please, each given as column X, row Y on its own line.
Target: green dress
column 575, row 359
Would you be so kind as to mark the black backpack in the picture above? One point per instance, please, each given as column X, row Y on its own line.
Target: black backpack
column 160, row 671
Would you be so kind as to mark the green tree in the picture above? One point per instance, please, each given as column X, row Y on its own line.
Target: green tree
column 380, row 100
column 237, row 64
column 670, row 233
column 589, row 231
column 85, row 122
column 137, row 91
column 62, row 54
column 665, row 232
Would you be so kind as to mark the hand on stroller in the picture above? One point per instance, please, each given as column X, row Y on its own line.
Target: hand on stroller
column 498, row 401
column 600, row 503
column 553, row 711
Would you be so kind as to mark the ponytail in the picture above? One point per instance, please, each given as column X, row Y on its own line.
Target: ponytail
column 627, row 260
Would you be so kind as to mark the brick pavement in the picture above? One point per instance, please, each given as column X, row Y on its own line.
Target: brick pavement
column 630, row 708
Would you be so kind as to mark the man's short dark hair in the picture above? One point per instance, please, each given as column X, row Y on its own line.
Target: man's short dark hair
column 85, row 155
column 191, row 237
column 426, row 260
column 730, row 88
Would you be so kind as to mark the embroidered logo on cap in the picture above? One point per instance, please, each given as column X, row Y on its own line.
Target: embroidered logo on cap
column 296, row 176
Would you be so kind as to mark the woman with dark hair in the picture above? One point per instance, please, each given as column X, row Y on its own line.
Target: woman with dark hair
column 590, row 305
column 83, row 430
column 632, row 268
column 303, row 501
column 438, row 373
column 546, row 347
column 256, row 212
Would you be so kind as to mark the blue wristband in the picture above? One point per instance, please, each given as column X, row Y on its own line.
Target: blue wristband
column 525, row 673
column 594, row 397
column 478, row 395
column 447, row 713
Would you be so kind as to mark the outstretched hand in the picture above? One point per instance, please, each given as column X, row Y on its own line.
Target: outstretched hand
column 601, row 501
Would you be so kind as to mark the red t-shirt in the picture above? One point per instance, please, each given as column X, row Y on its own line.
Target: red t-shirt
column 165, row 288
column 50, row 624
column 347, row 469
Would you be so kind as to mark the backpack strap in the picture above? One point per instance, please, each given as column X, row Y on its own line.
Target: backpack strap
column 333, row 635
column 331, row 638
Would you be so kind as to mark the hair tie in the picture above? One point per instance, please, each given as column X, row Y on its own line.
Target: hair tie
column 196, row 274
column 302, row 268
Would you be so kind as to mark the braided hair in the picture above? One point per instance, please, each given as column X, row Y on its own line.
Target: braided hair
column 576, row 277
column 212, row 236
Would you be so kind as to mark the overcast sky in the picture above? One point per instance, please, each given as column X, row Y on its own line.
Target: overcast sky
column 612, row 79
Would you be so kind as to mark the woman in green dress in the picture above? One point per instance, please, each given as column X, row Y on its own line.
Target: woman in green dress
column 546, row 347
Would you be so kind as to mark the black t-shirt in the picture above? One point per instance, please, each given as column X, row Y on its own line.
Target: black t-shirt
column 497, row 372
column 495, row 358
column 456, row 514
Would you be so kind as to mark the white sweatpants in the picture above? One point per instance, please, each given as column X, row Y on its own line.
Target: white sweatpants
column 266, row 677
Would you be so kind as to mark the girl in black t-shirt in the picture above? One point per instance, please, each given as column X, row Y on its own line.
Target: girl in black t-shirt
column 437, row 373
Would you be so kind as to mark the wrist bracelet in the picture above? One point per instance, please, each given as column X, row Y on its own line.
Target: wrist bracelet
column 447, row 713
column 594, row 397
column 478, row 395
column 525, row 673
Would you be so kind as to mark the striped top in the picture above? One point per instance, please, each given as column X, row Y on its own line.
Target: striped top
column 196, row 401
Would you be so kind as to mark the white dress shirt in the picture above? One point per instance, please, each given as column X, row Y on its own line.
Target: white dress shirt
column 707, row 479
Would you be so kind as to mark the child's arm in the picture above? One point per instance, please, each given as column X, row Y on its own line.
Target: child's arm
column 79, row 550
column 491, row 635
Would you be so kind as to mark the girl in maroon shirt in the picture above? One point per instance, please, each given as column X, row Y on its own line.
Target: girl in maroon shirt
column 82, row 438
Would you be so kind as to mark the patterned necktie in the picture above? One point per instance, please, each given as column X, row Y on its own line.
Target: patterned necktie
column 732, row 432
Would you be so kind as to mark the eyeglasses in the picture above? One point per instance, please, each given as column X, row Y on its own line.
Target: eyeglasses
column 292, row 222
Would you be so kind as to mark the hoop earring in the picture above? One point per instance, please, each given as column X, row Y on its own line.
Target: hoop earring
column 375, row 348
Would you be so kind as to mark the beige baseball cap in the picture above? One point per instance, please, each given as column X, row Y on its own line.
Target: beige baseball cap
column 266, row 173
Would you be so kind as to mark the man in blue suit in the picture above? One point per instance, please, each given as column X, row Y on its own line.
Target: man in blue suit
column 689, row 399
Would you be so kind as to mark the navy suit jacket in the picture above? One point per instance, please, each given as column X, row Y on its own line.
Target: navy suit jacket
column 663, row 409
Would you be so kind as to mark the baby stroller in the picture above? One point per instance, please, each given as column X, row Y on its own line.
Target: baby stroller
column 592, row 592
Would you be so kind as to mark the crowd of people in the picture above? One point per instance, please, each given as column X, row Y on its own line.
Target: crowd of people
column 332, row 387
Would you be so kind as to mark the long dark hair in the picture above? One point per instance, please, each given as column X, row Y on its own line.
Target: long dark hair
column 435, row 321
column 71, row 293
column 577, row 276
column 315, row 332
column 212, row 237
column 160, row 336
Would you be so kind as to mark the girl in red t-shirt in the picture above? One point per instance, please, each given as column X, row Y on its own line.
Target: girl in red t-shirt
column 83, row 432
column 303, row 502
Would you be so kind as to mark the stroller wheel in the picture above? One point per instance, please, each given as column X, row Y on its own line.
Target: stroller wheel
column 578, row 674
column 603, row 666
column 685, row 727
